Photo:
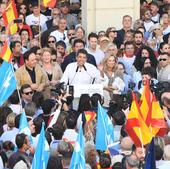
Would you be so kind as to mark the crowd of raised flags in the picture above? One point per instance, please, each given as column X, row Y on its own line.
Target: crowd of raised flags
column 145, row 119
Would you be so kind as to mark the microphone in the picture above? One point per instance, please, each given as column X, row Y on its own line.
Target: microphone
column 77, row 69
column 74, row 75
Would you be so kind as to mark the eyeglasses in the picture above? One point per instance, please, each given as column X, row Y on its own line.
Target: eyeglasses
column 70, row 34
column 51, row 41
column 27, row 93
column 163, row 59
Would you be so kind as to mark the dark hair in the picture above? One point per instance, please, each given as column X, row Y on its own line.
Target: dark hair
column 71, row 121
column 154, row 3
column 83, row 51
column 61, row 43
column 20, row 140
column 165, row 53
column 161, row 46
column 17, row 120
column 158, row 153
column 57, row 131
column 95, row 98
column 23, row 30
column 78, row 41
column 13, row 44
column 138, row 32
column 148, row 71
column 119, row 117
column 138, row 63
column 4, row 112
column 24, row 86
column 14, row 98
column 35, row 48
column 54, row 162
column 92, row 35
column 104, row 160
column 38, row 123
column 129, row 43
column 8, row 145
column 38, row 99
column 117, row 165
column 28, row 53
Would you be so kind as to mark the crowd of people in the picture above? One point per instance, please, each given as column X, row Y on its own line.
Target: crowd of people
column 52, row 53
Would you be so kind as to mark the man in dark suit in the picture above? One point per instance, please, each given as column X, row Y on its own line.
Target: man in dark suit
column 78, row 44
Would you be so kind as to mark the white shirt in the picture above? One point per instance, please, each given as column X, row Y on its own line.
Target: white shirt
column 98, row 55
column 148, row 25
column 60, row 36
column 34, row 20
column 156, row 17
column 1, row 163
column 74, row 75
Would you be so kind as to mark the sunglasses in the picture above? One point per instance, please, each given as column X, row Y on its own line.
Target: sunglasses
column 163, row 59
column 51, row 41
column 27, row 93
column 70, row 34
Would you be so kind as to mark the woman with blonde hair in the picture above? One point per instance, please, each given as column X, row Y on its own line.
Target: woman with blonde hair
column 112, row 79
column 52, row 70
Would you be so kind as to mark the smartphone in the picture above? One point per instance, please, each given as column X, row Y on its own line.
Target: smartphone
column 17, row 20
column 71, row 90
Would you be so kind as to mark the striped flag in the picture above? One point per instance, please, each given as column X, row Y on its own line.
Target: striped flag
column 50, row 3
column 6, row 53
column 136, row 126
column 90, row 116
column 9, row 15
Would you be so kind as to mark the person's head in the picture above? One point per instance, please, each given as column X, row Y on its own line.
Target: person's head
column 146, row 15
column 81, row 57
column 95, row 98
column 35, row 8
column 127, row 22
column 30, row 59
column 4, row 112
column 164, row 59
column 109, row 63
column 38, row 99
column 54, row 163
column 128, row 36
column 93, row 39
column 46, row 55
column 59, row 58
column 164, row 47
column 24, row 35
column 154, row 8
column 141, row 29
column 37, row 52
column 26, row 92
column 121, row 67
column 23, row 9
column 78, row 44
column 65, row 8
column 118, row 117
column 112, row 49
column 57, row 131
column 80, row 32
column 15, row 47
column 165, row 18
column 51, row 42
column 111, row 33
column 132, row 161
column 37, row 123
column 84, row 103
column 10, row 120
column 139, row 152
column 71, row 33
column 55, row 13
column 147, row 75
column 71, row 121
column 104, row 160
column 138, row 23
column 61, row 47
column 158, row 153
column 62, row 24
column 22, row 142
column 129, row 48
column 14, row 98
column 138, row 38
column 30, row 109
column 126, row 144
column 34, row 42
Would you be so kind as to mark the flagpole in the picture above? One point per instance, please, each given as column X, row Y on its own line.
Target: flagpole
column 39, row 37
column 19, row 96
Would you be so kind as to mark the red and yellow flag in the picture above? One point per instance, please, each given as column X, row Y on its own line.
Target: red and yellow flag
column 156, row 120
column 90, row 116
column 6, row 53
column 136, row 127
column 9, row 15
column 146, row 100
column 50, row 3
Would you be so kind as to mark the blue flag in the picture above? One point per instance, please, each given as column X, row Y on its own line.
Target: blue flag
column 24, row 127
column 104, row 130
column 7, row 81
column 150, row 157
column 42, row 153
column 78, row 158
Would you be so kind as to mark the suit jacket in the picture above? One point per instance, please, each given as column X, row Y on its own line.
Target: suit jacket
column 23, row 77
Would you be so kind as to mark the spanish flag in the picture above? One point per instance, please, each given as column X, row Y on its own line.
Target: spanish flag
column 155, row 120
column 146, row 100
column 90, row 116
column 136, row 127
column 9, row 15
column 6, row 53
column 50, row 3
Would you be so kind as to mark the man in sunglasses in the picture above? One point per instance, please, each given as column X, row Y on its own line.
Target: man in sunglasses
column 26, row 94
column 164, row 67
